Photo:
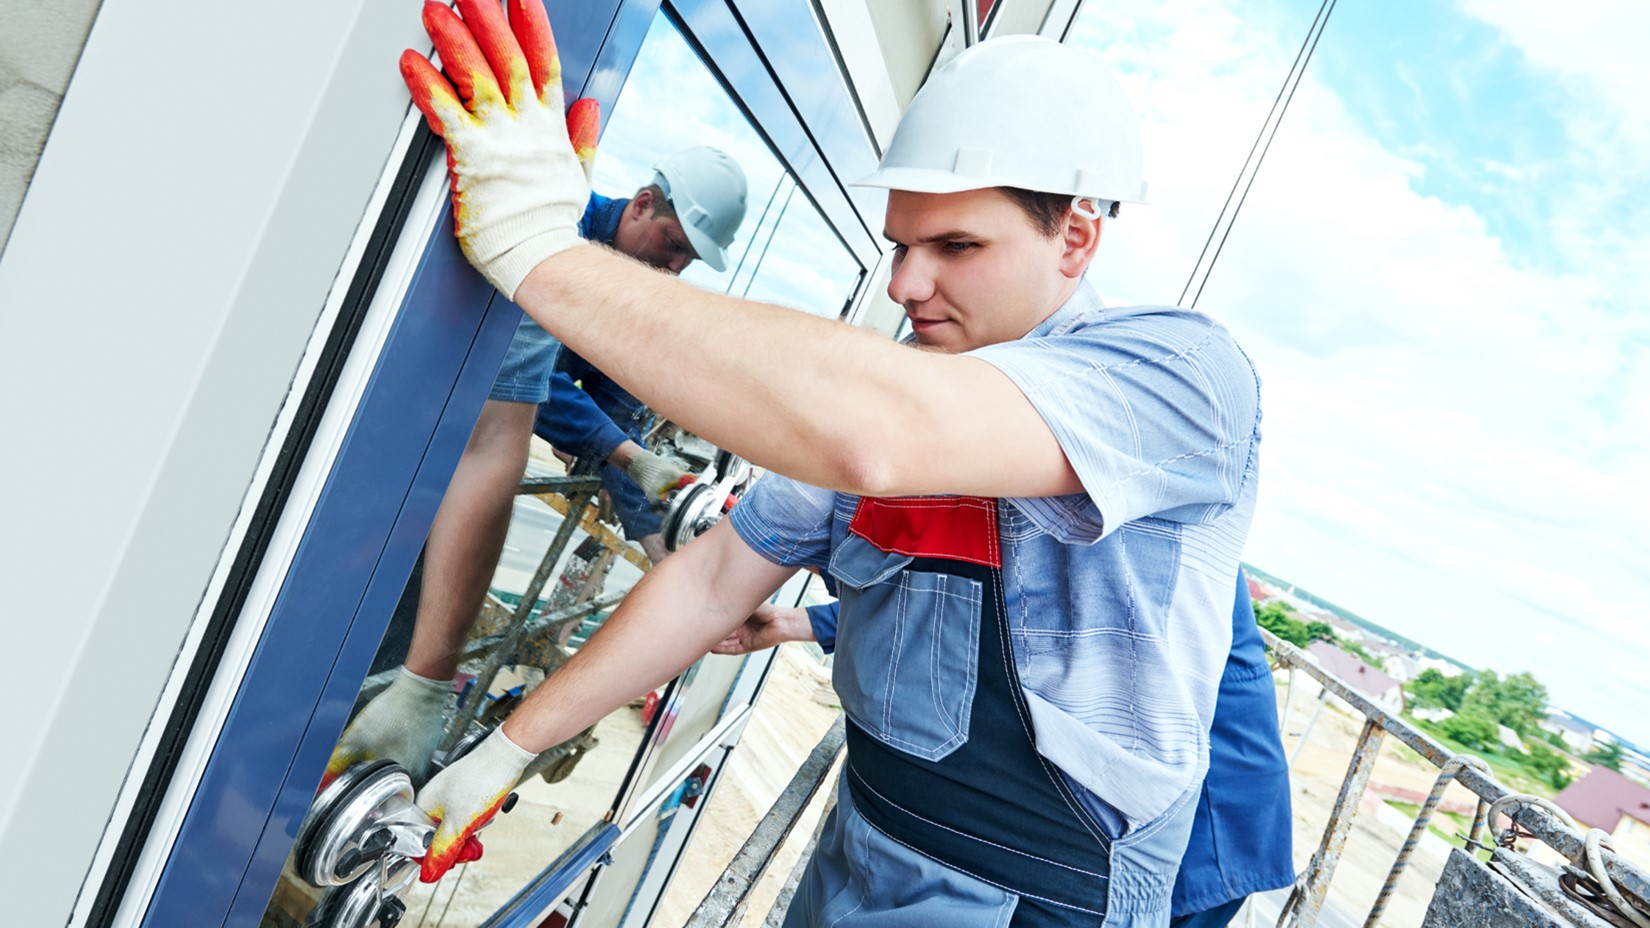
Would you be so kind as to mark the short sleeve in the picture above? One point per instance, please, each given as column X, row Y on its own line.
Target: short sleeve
column 1157, row 411
column 787, row 522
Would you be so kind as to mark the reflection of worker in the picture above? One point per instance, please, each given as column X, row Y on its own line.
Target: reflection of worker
column 588, row 415
column 1029, row 664
column 1240, row 841
column 691, row 209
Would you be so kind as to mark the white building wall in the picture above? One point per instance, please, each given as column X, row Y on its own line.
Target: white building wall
column 205, row 173
column 40, row 42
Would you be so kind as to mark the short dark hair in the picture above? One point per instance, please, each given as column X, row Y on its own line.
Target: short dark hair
column 1046, row 211
column 661, row 203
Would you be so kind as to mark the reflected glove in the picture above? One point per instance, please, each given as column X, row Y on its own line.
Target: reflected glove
column 520, row 172
column 464, row 798
column 657, row 474
column 403, row 724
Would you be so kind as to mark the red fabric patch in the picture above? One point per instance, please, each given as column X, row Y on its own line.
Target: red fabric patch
column 957, row 528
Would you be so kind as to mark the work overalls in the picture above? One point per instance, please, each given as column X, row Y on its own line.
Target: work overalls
column 942, row 762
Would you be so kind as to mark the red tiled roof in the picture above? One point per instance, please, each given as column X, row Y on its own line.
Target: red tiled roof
column 1349, row 667
column 1602, row 797
column 1256, row 591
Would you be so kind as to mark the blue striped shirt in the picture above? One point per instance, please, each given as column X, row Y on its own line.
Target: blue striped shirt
column 1118, row 598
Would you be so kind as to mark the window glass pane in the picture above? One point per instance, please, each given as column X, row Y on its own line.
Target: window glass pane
column 572, row 551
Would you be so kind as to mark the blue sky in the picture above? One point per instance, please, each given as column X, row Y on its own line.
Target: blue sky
column 1440, row 276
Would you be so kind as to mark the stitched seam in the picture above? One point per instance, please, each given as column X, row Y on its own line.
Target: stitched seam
column 898, row 646
column 986, row 880
column 1013, row 680
column 1181, row 355
column 934, row 663
column 873, row 790
column 1153, row 468
column 864, row 885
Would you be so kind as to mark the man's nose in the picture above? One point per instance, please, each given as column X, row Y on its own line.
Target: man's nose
column 679, row 263
column 912, row 280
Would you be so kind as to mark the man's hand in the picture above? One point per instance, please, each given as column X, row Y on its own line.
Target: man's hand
column 403, row 724
column 656, row 474
column 768, row 626
column 464, row 798
column 520, row 171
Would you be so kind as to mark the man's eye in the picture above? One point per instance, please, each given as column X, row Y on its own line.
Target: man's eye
column 957, row 248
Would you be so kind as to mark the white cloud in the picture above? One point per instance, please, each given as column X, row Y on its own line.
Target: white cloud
column 1455, row 442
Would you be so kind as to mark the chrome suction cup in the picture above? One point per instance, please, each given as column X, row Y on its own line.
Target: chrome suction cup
column 692, row 510
column 365, row 815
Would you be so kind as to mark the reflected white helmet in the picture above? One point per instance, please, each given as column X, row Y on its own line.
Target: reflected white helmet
column 1018, row 111
column 707, row 190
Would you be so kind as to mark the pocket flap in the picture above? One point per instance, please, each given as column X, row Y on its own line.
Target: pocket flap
column 858, row 563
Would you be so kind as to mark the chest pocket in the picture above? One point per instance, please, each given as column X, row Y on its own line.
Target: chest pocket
column 907, row 649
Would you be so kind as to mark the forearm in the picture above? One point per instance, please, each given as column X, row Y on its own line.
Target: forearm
column 624, row 454
column 748, row 377
column 679, row 610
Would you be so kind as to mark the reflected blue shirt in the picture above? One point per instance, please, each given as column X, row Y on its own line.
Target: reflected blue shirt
column 587, row 414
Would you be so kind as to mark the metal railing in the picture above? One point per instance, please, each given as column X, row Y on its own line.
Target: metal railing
column 726, row 903
column 1527, row 815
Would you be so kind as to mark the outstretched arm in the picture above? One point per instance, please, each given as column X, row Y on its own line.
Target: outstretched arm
column 678, row 611
column 749, row 377
column 815, row 400
column 673, row 617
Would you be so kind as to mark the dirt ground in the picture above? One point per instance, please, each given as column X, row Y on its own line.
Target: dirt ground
column 795, row 709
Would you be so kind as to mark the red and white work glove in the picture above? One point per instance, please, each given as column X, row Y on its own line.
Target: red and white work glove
column 464, row 798
column 403, row 723
column 520, row 170
column 656, row 474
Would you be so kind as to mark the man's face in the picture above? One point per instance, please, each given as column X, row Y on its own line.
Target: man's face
column 970, row 269
column 653, row 238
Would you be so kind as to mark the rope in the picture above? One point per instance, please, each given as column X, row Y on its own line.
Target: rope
column 1593, row 853
column 1507, row 838
column 1446, row 774
column 1296, row 71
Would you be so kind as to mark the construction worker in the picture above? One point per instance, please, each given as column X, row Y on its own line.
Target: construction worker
column 1034, row 525
column 1246, row 789
column 691, row 209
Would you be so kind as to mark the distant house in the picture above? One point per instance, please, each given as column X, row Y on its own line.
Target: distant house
column 1377, row 686
column 1606, row 799
column 1401, row 667
column 1447, row 668
column 1576, row 734
column 1257, row 592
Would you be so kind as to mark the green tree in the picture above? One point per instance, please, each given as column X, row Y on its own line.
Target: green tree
column 1549, row 764
column 1471, row 729
column 1518, row 701
column 1275, row 618
column 1320, row 631
column 1432, row 688
column 1607, row 754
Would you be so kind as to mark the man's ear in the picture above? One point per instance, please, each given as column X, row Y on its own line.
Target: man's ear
column 1080, row 238
column 642, row 203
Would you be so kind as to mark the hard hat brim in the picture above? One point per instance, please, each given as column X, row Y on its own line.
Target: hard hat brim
column 706, row 249
column 923, row 180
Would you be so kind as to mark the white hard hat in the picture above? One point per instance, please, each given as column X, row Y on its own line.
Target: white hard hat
column 707, row 190
column 1018, row 111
